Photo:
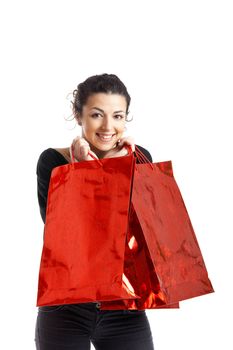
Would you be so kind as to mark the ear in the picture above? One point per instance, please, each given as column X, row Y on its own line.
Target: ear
column 78, row 119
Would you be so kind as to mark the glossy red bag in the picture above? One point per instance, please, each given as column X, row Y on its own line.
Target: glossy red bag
column 169, row 235
column 139, row 272
column 85, row 232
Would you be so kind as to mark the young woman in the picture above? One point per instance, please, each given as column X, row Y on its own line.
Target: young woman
column 100, row 107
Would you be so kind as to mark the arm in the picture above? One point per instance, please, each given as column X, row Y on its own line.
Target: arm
column 48, row 159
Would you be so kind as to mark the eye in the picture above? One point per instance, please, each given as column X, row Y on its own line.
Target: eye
column 95, row 114
column 120, row 116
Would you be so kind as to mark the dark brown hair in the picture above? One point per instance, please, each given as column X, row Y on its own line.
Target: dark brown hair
column 107, row 83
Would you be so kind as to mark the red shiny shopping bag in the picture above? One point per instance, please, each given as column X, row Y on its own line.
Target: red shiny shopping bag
column 139, row 274
column 85, row 232
column 171, row 241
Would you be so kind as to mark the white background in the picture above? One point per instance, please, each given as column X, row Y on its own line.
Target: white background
column 175, row 57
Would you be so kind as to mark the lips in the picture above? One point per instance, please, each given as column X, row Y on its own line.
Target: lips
column 105, row 137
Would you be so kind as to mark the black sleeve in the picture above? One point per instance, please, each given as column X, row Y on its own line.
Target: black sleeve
column 48, row 159
column 145, row 152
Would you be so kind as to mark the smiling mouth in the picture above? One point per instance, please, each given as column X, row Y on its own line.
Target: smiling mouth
column 105, row 138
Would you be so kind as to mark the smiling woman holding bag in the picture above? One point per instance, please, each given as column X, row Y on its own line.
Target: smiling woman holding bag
column 100, row 107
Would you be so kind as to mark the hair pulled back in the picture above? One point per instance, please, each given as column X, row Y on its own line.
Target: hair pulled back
column 106, row 83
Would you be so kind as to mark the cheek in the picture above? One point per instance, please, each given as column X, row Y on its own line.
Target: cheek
column 120, row 128
column 89, row 129
column 120, row 131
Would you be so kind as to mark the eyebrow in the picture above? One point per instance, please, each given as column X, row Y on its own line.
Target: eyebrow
column 101, row 110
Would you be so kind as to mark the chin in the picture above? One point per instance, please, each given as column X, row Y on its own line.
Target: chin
column 104, row 147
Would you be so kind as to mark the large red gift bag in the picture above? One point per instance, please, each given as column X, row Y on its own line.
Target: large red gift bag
column 169, row 235
column 85, row 232
column 139, row 272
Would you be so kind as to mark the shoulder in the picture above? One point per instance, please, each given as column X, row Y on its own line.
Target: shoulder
column 48, row 159
column 145, row 152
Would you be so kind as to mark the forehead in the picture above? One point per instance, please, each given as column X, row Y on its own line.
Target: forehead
column 107, row 101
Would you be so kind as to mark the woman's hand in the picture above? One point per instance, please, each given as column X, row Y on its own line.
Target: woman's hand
column 81, row 149
column 120, row 150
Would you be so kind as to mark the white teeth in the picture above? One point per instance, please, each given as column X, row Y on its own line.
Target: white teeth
column 106, row 138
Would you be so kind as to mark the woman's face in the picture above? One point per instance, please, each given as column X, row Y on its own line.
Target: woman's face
column 103, row 121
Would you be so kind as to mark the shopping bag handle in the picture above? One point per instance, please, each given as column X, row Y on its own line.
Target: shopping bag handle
column 130, row 151
column 142, row 158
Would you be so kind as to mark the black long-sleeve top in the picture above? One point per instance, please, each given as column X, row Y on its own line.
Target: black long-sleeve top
column 49, row 159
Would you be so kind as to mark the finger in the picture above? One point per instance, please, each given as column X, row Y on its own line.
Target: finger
column 131, row 145
column 129, row 141
column 80, row 141
column 71, row 157
column 76, row 139
column 82, row 152
column 85, row 148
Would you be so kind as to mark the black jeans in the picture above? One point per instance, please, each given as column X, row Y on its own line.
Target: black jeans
column 76, row 326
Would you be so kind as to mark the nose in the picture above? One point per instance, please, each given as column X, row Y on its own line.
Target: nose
column 107, row 123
